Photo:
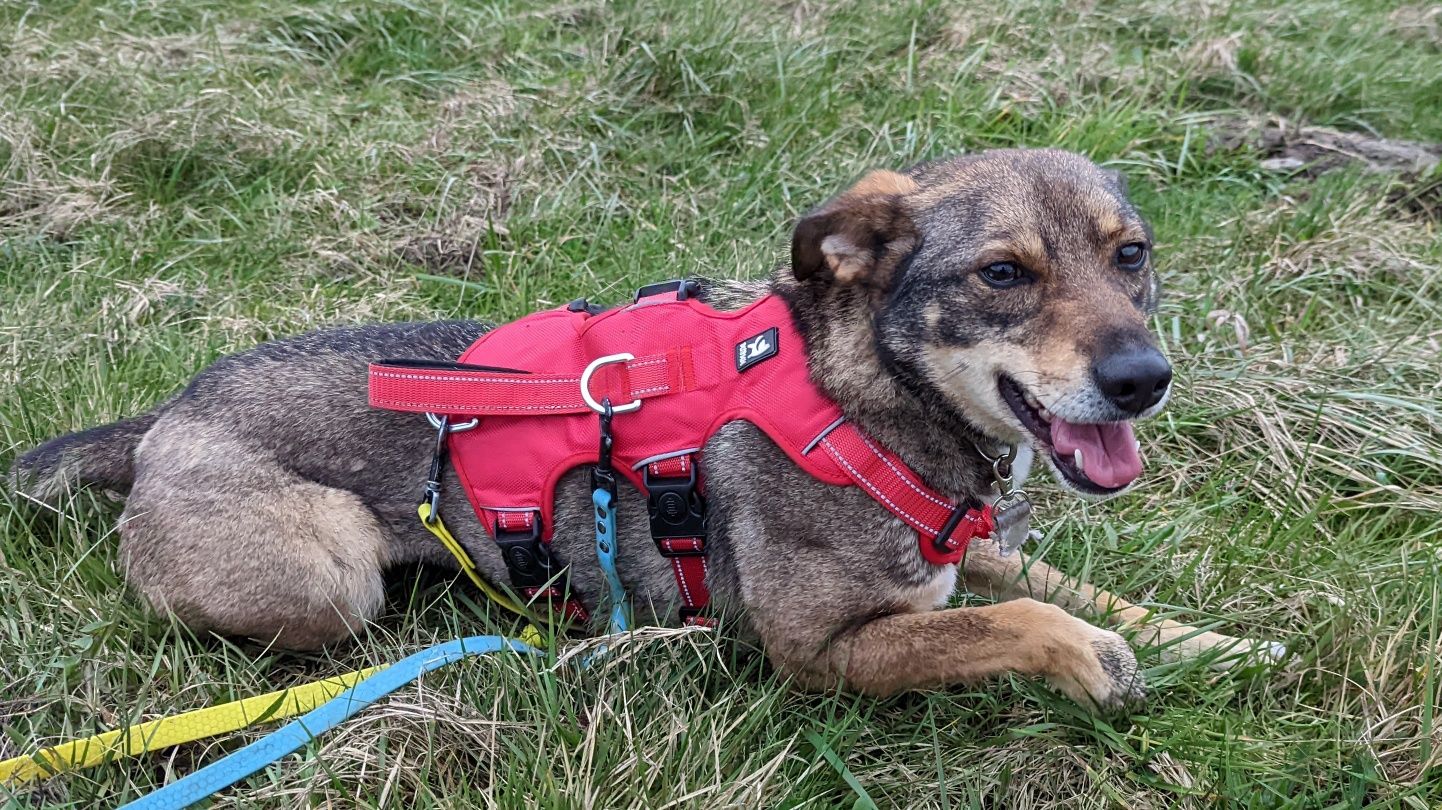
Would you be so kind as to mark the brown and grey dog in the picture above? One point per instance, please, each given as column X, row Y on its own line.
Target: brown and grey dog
column 979, row 301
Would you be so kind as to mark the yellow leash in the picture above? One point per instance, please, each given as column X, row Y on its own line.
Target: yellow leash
column 437, row 527
column 166, row 732
column 159, row 734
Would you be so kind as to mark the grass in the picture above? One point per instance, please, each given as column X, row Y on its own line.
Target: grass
column 183, row 180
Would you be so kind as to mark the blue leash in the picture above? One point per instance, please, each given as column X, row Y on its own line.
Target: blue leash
column 604, row 501
column 295, row 734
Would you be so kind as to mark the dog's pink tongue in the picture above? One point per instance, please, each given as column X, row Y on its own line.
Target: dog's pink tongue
column 1109, row 451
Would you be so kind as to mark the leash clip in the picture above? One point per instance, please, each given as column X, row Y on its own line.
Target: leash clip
column 1011, row 511
column 431, row 494
column 603, row 475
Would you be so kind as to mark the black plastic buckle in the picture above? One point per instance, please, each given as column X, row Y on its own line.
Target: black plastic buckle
column 688, row 613
column 582, row 305
column 683, row 287
column 949, row 528
column 528, row 560
column 676, row 508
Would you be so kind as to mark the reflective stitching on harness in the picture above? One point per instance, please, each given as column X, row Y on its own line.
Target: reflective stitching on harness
column 653, row 389
column 840, row 459
column 443, row 407
column 681, row 578
column 507, row 380
column 904, row 479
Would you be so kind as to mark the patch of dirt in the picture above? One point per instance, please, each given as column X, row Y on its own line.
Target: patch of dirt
column 1423, row 200
column 1311, row 151
column 451, row 245
column 1308, row 152
column 476, row 104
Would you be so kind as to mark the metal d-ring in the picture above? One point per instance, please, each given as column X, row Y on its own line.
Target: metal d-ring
column 437, row 421
column 623, row 357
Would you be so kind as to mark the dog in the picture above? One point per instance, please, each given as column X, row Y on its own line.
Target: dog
column 983, row 301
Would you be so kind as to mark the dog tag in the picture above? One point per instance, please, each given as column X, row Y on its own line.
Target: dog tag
column 1011, row 516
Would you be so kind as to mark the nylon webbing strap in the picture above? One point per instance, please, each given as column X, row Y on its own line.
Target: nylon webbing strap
column 675, row 494
column 436, row 388
column 944, row 528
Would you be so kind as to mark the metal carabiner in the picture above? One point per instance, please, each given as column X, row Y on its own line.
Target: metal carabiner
column 603, row 475
column 438, row 421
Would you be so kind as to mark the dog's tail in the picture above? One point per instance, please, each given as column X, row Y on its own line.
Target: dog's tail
column 101, row 456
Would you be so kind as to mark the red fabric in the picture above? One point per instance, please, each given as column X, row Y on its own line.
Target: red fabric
column 686, row 373
column 433, row 390
column 571, row 608
column 515, row 521
column 674, row 467
column 515, row 463
column 885, row 478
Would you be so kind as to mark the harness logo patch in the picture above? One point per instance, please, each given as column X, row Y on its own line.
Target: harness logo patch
column 753, row 350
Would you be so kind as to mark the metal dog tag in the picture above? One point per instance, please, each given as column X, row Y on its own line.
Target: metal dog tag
column 1011, row 515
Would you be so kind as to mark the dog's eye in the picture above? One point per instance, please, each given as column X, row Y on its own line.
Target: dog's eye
column 1002, row 274
column 1132, row 256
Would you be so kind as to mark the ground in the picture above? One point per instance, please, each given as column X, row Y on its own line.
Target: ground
column 183, row 180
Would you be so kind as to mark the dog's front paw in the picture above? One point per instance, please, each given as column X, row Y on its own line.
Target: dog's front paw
column 1100, row 672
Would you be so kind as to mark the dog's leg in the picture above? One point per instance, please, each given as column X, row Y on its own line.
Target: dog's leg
column 894, row 653
column 223, row 538
column 988, row 573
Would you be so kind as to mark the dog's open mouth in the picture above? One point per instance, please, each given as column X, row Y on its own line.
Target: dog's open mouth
column 1097, row 458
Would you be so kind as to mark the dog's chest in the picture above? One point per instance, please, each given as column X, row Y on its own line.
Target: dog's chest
column 931, row 593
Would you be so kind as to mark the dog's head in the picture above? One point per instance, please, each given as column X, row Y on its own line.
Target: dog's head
column 1012, row 287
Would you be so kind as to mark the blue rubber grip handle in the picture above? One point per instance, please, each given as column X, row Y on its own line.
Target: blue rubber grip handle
column 294, row 735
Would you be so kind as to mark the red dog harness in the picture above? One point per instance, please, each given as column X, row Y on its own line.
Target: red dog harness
column 674, row 370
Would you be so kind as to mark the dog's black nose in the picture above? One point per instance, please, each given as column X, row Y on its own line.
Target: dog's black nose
column 1134, row 378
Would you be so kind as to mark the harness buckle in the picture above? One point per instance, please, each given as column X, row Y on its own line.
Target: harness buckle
column 527, row 559
column 959, row 529
column 683, row 287
column 676, row 510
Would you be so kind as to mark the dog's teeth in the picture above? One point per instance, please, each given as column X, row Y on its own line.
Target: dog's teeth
column 1139, row 446
column 1045, row 414
column 1031, row 400
column 1077, row 457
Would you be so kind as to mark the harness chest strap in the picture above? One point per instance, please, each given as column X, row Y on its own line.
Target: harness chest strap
column 677, row 517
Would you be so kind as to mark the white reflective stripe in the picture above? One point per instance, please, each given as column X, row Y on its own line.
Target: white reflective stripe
column 823, row 434
column 663, row 456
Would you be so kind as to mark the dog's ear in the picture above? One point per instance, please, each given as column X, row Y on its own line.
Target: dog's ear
column 859, row 236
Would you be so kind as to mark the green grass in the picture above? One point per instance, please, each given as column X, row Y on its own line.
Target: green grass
column 183, row 180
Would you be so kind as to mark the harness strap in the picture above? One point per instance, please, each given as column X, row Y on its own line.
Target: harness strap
column 459, row 388
column 678, row 513
column 535, row 574
column 943, row 528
